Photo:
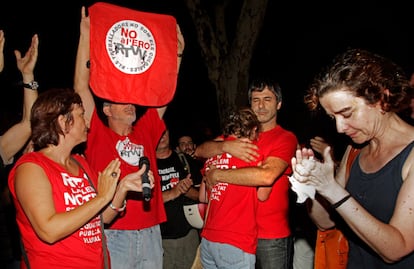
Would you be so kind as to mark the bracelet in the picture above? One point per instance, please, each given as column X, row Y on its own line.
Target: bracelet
column 118, row 209
column 340, row 202
column 33, row 85
column 179, row 55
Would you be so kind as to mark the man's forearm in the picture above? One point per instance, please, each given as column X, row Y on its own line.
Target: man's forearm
column 247, row 176
column 209, row 149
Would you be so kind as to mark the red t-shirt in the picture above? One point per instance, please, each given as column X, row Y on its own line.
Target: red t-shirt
column 272, row 214
column 231, row 215
column 104, row 145
column 83, row 248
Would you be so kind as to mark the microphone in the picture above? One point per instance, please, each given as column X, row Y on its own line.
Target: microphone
column 146, row 185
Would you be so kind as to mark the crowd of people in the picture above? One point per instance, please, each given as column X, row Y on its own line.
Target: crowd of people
column 88, row 210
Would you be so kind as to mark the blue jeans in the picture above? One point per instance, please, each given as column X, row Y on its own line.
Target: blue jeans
column 275, row 253
column 180, row 252
column 139, row 249
column 219, row 255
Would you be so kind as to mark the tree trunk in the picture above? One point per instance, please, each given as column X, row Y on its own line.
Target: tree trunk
column 226, row 50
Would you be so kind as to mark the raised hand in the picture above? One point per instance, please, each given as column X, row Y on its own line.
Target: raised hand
column 108, row 180
column 26, row 64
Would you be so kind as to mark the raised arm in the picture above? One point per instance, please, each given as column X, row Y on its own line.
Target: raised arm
column 16, row 137
column 180, row 50
column 81, row 79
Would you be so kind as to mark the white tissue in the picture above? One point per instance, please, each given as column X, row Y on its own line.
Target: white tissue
column 303, row 190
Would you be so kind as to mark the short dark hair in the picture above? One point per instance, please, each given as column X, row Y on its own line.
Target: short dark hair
column 261, row 84
column 45, row 112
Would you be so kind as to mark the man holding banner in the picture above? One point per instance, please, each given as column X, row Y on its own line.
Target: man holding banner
column 127, row 58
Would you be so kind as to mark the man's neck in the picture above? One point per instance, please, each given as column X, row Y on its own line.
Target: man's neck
column 120, row 128
column 267, row 126
column 163, row 153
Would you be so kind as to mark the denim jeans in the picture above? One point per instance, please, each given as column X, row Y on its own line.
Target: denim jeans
column 180, row 253
column 219, row 255
column 275, row 253
column 135, row 249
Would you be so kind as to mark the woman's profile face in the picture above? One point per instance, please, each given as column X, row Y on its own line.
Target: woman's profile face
column 353, row 117
column 79, row 127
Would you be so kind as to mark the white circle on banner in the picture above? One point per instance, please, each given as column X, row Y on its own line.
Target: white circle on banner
column 130, row 46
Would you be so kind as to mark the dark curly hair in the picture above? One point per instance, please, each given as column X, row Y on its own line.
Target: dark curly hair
column 364, row 74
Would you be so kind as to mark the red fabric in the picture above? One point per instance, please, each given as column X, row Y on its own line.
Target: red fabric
column 133, row 55
column 82, row 248
column 272, row 214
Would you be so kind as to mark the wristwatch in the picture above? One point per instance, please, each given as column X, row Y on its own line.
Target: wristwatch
column 33, row 85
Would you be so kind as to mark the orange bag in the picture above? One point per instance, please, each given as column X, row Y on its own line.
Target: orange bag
column 331, row 249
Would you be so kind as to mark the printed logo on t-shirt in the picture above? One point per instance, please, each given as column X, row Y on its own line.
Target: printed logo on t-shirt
column 77, row 193
column 221, row 161
column 91, row 232
column 169, row 178
column 129, row 152
column 217, row 191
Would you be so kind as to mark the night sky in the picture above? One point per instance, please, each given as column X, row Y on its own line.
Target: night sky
column 296, row 42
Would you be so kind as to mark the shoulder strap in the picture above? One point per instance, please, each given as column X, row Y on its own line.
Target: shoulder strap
column 351, row 157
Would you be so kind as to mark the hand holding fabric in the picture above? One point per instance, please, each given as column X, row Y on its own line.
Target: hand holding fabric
column 303, row 190
column 308, row 171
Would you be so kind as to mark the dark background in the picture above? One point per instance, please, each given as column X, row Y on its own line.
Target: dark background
column 297, row 40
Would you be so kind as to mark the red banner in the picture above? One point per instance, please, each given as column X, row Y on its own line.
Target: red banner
column 133, row 55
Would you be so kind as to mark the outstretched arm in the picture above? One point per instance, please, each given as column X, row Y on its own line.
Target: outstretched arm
column 81, row 79
column 16, row 137
column 239, row 148
column 264, row 175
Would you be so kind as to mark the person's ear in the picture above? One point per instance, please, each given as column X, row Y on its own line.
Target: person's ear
column 107, row 111
column 62, row 124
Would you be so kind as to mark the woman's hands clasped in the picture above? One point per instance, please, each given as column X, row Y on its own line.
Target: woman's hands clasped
column 308, row 170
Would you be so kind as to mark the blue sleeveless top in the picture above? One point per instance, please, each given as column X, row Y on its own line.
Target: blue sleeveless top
column 377, row 193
